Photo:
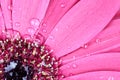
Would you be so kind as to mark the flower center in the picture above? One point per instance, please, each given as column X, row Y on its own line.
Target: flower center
column 21, row 59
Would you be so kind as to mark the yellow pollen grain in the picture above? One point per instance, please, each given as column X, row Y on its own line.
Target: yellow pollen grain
column 42, row 48
column 44, row 73
column 1, row 71
column 16, row 55
column 34, row 51
column 38, row 65
column 25, row 60
column 11, row 49
column 42, row 57
column 32, row 62
column 35, row 77
column 24, row 51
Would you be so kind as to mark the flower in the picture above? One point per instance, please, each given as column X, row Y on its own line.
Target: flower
column 84, row 36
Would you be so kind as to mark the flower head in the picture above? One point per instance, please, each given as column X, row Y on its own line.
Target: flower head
column 59, row 39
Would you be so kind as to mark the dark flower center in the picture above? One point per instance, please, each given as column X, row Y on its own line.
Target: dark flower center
column 15, row 70
column 25, row 60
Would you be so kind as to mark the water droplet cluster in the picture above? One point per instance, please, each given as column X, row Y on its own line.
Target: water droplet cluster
column 27, row 54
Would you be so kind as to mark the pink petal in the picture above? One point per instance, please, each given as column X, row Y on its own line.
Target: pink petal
column 2, row 25
column 117, row 16
column 107, row 40
column 27, row 15
column 115, row 50
column 56, row 9
column 100, row 62
column 83, row 22
column 99, row 75
column 6, row 11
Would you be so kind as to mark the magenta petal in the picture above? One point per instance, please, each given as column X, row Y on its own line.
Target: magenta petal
column 117, row 16
column 27, row 15
column 2, row 25
column 74, row 30
column 115, row 50
column 6, row 11
column 98, row 75
column 107, row 40
column 56, row 10
column 100, row 62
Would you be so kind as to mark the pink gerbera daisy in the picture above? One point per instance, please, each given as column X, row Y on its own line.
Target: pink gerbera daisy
column 59, row 40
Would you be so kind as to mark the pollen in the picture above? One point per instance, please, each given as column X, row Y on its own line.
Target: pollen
column 22, row 59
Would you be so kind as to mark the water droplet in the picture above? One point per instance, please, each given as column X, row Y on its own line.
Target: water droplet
column 44, row 24
column 27, row 36
column 9, row 7
column 51, row 51
column 97, row 40
column 16, row 35
column 51, row 37
column 60, row 61
column 70, row 74
column 74, row 65
column 111, row 78
column 85, row 46
column 56, row 29
column 37, row 41
column 17, row 24
column 68, row 66
column 39, row 38
column 62, row 5
column 31, row 30
column 44, row 30
column 35, row 22
column 9, row 33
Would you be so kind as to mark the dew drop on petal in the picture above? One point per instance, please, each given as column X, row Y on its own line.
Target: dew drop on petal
column 51, row 37
column 44, row 30
column 70, row 74
column 60, row 61
column 31, row 30
column 9, row 7
column 39, row 38
column 56, row 29
column 62, row 5
column 68, row 66
column 97, row 40
column 85, row 46
column 27, row 36
column 74, row 65
column 35, row 22
column 44, row 24
column 16, row 35
column 111, row 78
column 17, row 24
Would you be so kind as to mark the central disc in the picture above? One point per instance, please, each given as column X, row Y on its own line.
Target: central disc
column 26, row 60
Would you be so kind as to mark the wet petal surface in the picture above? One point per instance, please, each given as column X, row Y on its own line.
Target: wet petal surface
column 89, row 19
column 107, row 40
column 99, row 62
column 97, row 75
